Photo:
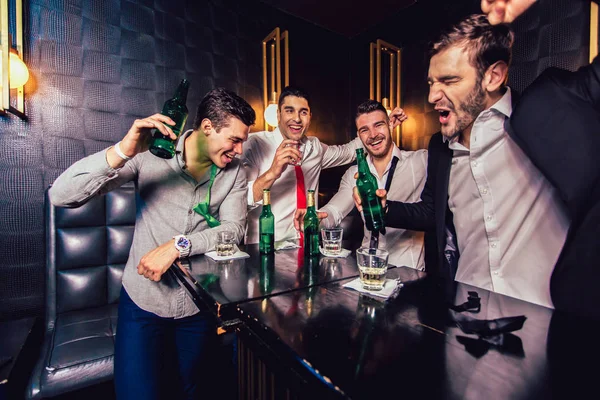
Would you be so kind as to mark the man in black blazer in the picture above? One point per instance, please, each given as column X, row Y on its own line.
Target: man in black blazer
column 498, row 222
column 557, row 124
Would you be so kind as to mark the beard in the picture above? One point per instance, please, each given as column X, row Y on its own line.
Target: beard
column 467, row 111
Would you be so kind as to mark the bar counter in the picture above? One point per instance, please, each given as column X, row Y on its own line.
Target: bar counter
column 304, row 335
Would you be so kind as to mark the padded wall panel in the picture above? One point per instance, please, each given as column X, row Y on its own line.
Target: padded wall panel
column 114, row 279
column 119, row 239
column 63, row 90
column 64, row 122
column 62, row 152
column 101, row 37
column 61, row 27
column 136, row 17
column 137, row 46
column 137, row 102
column 103, row 11
column 169, row 27
column 60, row 58
column 99, row 66
column 102, row 126
column 137, row 74
column 102, row 96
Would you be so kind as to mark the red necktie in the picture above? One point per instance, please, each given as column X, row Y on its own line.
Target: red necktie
column 300, row 188
column 300, row 203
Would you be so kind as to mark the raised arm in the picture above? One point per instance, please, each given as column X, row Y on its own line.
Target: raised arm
column 108, row 169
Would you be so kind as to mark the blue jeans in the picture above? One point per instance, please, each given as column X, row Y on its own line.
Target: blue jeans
column 157, row 357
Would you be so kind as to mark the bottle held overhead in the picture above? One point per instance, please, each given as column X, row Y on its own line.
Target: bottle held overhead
column 174, row 108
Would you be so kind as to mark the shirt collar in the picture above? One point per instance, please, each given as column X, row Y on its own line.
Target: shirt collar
column 502, row 106
column 396, row 152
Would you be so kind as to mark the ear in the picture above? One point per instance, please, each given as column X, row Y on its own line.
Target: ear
column 206, row 126
column 495, row 76
column 278, row 115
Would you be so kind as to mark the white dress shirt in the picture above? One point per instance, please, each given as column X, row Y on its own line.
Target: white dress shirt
column 510, row 223
column 257, row 158
column 405, row 247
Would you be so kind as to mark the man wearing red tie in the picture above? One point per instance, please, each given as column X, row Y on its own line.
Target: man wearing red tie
column 288, row 162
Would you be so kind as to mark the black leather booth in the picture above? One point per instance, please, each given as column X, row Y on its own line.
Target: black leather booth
column 87, row 248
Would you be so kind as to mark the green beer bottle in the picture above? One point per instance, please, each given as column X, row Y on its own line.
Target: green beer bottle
column 266, row 225
column 311, row 227
column 367, row 185
column 175, row 108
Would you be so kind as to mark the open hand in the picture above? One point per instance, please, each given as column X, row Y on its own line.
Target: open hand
column 299, row 218
column 381, row 193
column 137, row 139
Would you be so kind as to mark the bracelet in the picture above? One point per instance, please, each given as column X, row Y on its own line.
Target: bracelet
column 120, row 153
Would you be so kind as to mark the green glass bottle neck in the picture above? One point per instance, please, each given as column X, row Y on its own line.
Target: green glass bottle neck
column 266, row 209
column 182, row 91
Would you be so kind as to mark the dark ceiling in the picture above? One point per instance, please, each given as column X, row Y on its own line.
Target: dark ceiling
column 346, row 17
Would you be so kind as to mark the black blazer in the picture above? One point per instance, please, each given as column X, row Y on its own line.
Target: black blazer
column 431, row 214
column 557, row 124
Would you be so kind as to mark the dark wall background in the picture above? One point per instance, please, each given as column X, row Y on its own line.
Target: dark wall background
column 551, row 33
column 96, row 65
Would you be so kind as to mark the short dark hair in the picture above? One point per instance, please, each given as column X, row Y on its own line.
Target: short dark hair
column 293, row 91
column 219, row 105
column 486, row 43
column 368, row 106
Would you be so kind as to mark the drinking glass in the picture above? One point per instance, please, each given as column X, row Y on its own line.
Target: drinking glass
column 332, row 240
column 300, row 147
column 372, row 266
column 225, row 244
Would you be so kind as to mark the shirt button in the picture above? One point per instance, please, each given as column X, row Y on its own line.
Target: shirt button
column 493, row 245
column 454, row 162
column 495, row 272
column 190, row 212
column 489, row 217
column 474, row 163
column 483, row 191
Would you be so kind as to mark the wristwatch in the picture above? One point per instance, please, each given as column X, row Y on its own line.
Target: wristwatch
column 183, row 244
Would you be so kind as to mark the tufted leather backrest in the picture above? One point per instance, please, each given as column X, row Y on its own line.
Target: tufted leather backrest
column 87, row 248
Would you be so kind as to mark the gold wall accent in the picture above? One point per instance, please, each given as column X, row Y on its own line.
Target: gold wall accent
column 273, row 40
column 391, row 95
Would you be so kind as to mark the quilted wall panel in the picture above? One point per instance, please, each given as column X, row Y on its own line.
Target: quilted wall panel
column 96, row 65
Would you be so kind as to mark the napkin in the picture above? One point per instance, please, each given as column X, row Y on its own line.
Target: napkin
column 285, row 244
column 342, row 254
column 391, row 287
column 237, row 254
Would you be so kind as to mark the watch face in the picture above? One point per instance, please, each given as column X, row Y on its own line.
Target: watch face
column 183, row 243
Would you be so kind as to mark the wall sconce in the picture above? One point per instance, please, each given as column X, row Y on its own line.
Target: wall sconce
column 392, row 99
column 14, row 73
column 273, row 87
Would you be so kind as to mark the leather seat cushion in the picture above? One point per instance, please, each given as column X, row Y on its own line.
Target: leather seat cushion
column 84, row 336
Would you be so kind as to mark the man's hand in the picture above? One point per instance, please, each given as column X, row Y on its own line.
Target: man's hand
column 299, row 218
column 283, row 157
column 397, row 117
column 504, row 11
column 381, row 193
column 156, row 262
column 137, row 140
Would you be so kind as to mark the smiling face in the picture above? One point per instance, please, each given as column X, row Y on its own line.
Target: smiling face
column 224, row 145
column 455, row 87
column 374, row 131
column 294, row 117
